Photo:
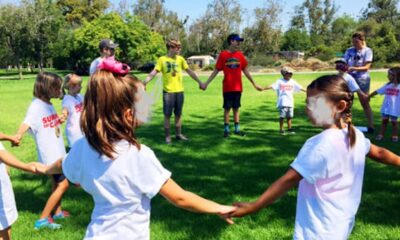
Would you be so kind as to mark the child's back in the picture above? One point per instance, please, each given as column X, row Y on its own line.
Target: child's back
column 121, row 188
column 330, row 192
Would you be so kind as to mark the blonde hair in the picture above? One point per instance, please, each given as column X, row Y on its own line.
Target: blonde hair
column 107, row 98
column 44, row 82
column 336, row 89
column 67, row 79
column 171, row 43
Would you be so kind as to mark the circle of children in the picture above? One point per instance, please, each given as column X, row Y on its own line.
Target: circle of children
column 122, row 175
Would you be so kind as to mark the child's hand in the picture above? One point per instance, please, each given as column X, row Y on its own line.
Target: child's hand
column 225, row 213
column 243, row 209
column 37, row 168
column 16, row 139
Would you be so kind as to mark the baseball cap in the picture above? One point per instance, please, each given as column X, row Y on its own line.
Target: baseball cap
column 107, row 43
column 286, row 70
column 341, row 60
column 235, row 36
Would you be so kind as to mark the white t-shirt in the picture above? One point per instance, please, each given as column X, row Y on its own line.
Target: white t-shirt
column 285, row 89
column 44, row 125
column 351, row 82
column 391, row 102
column 8, row 208
column 94, row 64
column 330, row 192
column 121, row 188
column 74, row 105
column 358, row 58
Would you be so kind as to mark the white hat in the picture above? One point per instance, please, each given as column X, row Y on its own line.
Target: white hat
column 286, row 70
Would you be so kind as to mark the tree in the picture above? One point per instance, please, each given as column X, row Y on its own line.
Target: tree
column 295, row 40
column 264, row 35
column 76, row 11
column 382, row 10
column 137, row 43
column 210, row 31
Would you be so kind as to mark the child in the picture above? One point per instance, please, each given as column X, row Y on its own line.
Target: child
column 343, row 68
column 171, row 67
column 329, row 167
column 232, row 62
column 391, row 104
column 8, row 209
column 110, row 164
column 285, row 87
column 43, row 123
column 72, row 107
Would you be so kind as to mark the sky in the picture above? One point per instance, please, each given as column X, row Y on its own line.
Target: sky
column 196, row 8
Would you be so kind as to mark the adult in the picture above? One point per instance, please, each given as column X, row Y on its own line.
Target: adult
column 171, row 67
column 232, row 62
column 359, row 58
column 107, row 49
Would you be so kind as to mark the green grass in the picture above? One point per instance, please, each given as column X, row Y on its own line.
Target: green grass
column 224, row 170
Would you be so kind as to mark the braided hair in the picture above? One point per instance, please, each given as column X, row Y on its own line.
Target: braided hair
column 336, row 89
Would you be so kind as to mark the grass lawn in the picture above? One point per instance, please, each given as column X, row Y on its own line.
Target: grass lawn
column 224, row 170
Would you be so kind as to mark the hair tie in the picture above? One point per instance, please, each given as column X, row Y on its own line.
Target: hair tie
column 112, row 65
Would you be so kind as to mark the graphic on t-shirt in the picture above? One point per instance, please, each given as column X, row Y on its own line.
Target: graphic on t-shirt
column 171, row 66
column 51, row 121
column 232, row 63
column 78, row 107
column 286, row 87
column 392, row 92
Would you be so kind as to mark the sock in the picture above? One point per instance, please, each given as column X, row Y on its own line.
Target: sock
column 237, row 127
column 226, row 127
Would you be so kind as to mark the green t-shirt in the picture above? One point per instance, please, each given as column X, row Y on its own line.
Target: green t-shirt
column 171, row 69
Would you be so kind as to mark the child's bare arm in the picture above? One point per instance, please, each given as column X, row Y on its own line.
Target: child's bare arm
column 192, row 202
column 383, row 155
column 64, row 115
column 12, row 161
column 280, row 187
column 55, row 168
column 267, row 88
column 6, row 137
column 21, row 131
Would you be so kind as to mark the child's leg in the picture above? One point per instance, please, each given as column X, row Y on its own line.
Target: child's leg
column 54, row 201
column 166, row 128
column 281, row 124
column 178, row 106
column 5, row 234
column 395, row 128
column 383, row 128
column 289, row 123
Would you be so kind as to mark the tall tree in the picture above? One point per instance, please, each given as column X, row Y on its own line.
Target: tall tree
column 264, row 35
column 382, row 10
column 77, row 11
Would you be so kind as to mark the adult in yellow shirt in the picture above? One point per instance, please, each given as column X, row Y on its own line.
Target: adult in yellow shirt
column 171, row 67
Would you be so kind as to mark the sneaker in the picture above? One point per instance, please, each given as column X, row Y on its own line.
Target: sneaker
column 370, row 130
column 46, row 223
column 61, row 215
column 291, row 131
column 395, row 138
column 379, row 137
column 181, row 137
column 168, row 140
column 226, row 134
column 281, row 132
column 239, row 133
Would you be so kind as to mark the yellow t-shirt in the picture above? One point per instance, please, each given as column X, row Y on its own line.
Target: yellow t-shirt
column 171, row 69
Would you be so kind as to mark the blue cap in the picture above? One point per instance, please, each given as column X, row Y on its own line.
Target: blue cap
column 236, row 37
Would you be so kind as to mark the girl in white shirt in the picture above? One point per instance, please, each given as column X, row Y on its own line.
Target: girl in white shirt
column 8, row 208
column 110, row 164
column 43, row 123
column 329, row 168
column 72, row 104
column 390, row 109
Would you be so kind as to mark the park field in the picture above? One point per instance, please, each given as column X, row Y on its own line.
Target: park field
column 224, row 170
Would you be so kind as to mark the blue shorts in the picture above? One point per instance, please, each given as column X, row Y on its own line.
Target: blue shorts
column 386, row 116
column 173, row 102
column 232, row 100
column 364, row 84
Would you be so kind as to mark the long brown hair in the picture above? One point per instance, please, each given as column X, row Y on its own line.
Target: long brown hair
column 45, row 82
column 107, row 98
column 335, row 89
